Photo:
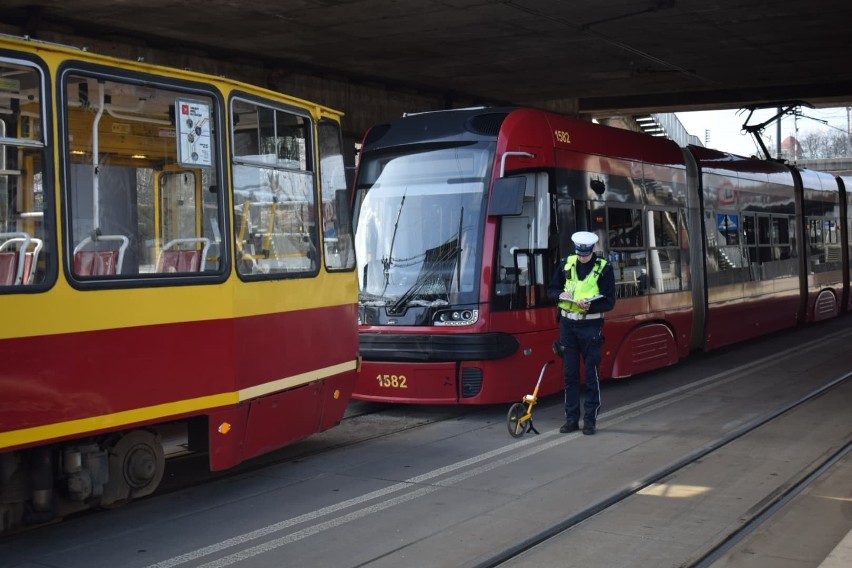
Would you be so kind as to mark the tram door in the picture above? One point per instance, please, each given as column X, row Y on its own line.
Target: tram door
column 178, row 218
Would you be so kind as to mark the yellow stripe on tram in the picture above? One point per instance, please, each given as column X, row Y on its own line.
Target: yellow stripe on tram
column 295, row 380
column 137, row 415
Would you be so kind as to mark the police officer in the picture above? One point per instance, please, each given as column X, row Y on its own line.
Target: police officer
column 585, row 289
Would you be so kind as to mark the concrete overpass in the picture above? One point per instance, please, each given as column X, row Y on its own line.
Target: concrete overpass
column 374, row 59
column 836, row 166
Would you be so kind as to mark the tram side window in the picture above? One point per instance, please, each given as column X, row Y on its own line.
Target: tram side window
column 750, row 249
column 732, row 263
column 823, row 245
column 142, row 164
column 833, row 255
column 525, row 255
column 664, row 253
column 746, row 247
column 764, row 239
column 781, row 237
column 336, row 219
column 775, row 247
column 274, row 191
column 25, row 245
column 626, row 248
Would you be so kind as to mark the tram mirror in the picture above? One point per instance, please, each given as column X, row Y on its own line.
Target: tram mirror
column 508, row 196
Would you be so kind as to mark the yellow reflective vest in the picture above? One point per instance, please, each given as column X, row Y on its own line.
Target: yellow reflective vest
column 580, row 289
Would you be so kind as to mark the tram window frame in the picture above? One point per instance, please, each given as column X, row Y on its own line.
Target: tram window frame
column 729, row 254
column 289, row 253
column 774, row 254
column 629, row 261
column 764, row 238
column 525, row 255
column 833, row 255
column 664, row 270
column 133, row 170
column 781, row 230
column 338, row 239
column 821, row 235
column 27, row 235
column 637, row 240
column 659, row 233
column 749, row 229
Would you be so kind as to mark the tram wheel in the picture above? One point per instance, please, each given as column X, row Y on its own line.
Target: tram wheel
column 517, row 428
column 136, row 466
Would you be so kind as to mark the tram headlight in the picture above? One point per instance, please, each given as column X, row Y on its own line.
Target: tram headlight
column 456, row 317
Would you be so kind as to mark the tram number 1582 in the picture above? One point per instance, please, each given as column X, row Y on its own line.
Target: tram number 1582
column 392, row 381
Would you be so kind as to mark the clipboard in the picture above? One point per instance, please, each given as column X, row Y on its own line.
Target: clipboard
column 592, row 299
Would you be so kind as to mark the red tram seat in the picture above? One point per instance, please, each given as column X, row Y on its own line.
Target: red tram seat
column 179, row 261
column 18, row 266
column 100, row 262
column 174, row 259
column 29, row 258
column 95, row 262
column 8, row 268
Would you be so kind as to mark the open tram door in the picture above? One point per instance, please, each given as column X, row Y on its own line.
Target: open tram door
column 180, row 245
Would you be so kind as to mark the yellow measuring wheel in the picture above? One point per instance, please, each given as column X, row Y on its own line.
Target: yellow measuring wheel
column 519, row 420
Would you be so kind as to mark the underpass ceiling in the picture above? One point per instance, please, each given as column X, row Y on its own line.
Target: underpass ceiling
column 610, row 56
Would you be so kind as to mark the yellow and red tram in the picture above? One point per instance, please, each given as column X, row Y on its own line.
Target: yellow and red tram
column 175, row 252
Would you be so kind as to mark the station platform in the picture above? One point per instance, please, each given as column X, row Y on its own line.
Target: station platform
column 841, row 556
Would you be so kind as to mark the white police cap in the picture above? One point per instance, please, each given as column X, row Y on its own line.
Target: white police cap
column 584, row 242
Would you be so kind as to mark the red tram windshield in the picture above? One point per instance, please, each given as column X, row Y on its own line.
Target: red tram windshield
column 420, row 218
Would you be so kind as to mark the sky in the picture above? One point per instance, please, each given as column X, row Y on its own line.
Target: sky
column 725, row 127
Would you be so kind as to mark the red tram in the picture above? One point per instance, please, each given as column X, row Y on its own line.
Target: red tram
column 172, row 256
column 461, row 217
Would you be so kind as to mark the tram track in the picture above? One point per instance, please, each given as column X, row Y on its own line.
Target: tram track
column 772, row 508
column 771, row 504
